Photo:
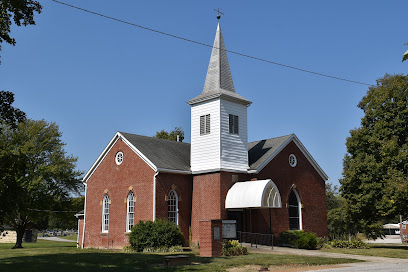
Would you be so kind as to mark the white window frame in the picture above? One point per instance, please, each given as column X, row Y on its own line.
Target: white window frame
column 233, row 122
column 130, row 211
column 205, row 124
column 292, row 160
column 299, row 208
column 119, row 158
column 105, row 214
column 173, row 202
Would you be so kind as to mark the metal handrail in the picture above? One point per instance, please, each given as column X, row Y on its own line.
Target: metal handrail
column 255, row 238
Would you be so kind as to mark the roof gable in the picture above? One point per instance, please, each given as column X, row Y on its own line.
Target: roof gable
column 260, row 153
column 159, row 154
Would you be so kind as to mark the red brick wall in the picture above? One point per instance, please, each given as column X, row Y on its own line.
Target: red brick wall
column 182, row 184
column 117, row 179
column 204, row 195
column 209, row 193
column 309, row 185
column 209, row 247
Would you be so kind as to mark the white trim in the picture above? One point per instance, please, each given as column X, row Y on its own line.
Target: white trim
column 218, row 170
column 302, row 148
column 154, row 195
column 177, row 206
column 112, row 142
column 299, row 206
column 79, row 220
column 173, row 171
column 127, row 210
column 83, row 228
column 104, row 202
column 294, row 162
column 119, row 160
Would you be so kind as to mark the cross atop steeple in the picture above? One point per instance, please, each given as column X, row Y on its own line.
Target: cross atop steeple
column 218, row 15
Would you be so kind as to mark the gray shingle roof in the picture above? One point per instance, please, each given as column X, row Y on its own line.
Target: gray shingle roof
column 162, row 153
column 176, row 155
column 219, row 80
column 260, row 151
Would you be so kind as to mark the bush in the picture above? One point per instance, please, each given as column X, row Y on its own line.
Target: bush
column 298, row 239
column 356, row 243
column 155, row 235
column 233, row 248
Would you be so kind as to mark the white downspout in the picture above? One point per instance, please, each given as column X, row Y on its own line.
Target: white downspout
column 79, row 220
column 83, row 229
column 154, row 195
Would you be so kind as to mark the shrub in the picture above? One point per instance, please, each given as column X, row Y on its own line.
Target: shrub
column 233, row 248
column 158, row 234
column 356, row 243
column 298, row 239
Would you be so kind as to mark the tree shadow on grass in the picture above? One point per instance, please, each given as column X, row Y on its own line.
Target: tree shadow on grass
column 95, row 262
column 403, row 247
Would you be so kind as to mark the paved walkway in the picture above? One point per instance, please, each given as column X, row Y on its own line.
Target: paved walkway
column 56, row 239
column 371, row 263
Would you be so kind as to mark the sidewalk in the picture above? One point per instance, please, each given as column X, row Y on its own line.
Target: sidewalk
column 56, row 239
column 371, row 263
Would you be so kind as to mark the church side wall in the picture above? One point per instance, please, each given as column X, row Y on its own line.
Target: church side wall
column 117, row 180
column 234, row 147
column 182, row 184
column 205, row 149
column 309, row 185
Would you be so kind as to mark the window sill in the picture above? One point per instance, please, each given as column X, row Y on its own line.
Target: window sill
column 104, row 234
column 127, row 233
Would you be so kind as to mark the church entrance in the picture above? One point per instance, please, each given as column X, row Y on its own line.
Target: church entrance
column 236, row 215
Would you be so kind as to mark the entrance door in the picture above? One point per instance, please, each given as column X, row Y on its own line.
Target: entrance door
column 236, row 215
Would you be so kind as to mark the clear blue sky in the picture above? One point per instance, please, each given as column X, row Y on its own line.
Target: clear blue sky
column 94, row 76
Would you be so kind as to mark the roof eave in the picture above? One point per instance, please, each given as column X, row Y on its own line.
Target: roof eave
column 302, row 148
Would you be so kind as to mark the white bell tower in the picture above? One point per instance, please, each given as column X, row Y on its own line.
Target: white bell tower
column 219, row 133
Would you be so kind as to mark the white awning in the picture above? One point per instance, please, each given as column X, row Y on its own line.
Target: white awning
column 253, row 194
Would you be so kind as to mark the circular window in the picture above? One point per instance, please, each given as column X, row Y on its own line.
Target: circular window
column 292, row 160
column 119, row 158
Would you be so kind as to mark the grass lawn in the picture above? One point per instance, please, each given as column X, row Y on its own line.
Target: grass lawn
column 72, row 237
column 378, row 250
column 62, row 256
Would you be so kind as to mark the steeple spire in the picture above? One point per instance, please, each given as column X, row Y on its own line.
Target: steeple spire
column 218, row 73
column 218, row 82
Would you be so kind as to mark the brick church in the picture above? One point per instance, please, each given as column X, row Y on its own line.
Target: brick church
column 267, row 186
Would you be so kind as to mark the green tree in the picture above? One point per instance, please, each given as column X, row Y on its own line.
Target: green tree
column 37, row 173
column 337, row 221
column 172, row 135
column 10, row 116
column 19, row 11
column 64, row 218
column 375, row 169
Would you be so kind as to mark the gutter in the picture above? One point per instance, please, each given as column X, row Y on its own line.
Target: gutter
column 154, row 194
column 83, row 229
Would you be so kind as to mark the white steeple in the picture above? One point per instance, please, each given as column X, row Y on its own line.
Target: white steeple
column 219, row 138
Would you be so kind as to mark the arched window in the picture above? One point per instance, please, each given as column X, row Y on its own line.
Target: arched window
column 295, row 216
column 105, row 214
column 130, row 217
column 173, row 207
